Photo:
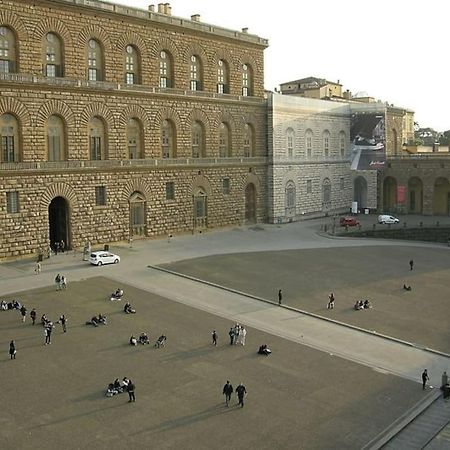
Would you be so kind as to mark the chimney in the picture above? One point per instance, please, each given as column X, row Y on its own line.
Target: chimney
column 167, row 9
column 195, row 18
column 151, row 8
column 161, row 8
column 245, row 30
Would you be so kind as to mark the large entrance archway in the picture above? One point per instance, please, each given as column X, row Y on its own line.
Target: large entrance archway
column 441, row 197
column 389, row 194
column 415, row 195
column 360, row 192
column 59, row 223
column 250, row 203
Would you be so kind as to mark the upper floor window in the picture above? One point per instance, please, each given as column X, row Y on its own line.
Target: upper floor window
column 9, row 131
column 165, row 70
column 198, row 140
column 326, row 144
column 224, row 141
column 134, row 140
column 290, row 142
column 195, row 74
column 309, row 143
column 342, row 144
column 222, row 77
column 132, row 66
column 55, row 139
column 97, row 141
column 247, row 80
column 53, row 63
column 8, row 56
column 95, row 61
column 168, row 139
column 249, row 140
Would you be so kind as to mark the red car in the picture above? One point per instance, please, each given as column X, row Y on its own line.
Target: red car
column 349, row 222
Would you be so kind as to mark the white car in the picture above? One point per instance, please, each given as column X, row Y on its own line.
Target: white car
column 102, row 257
column 384, row 218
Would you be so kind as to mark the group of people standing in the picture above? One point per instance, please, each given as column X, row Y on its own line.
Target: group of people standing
column 61, row 282
column 237, row 335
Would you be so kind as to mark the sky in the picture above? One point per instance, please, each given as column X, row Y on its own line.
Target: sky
column 393, row 50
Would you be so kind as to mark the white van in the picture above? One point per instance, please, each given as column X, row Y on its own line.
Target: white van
column 384, row 218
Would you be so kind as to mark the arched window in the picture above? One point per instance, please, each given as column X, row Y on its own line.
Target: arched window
column 326, row 143
column 168, row 139
column 53, row 58
column 326, row 193
column 165, row 70
column 249, row 140
column 290, row 142
column 309, row 143
column 198, row 140
column 342, row 144
column 132, row 66
column 247, row 80
column 134, row 139
column 97, row 141
column 9, row 130
column 8, row 51
column 222, row 77
column 56, row 139
column 195, row 71
column 95, row 61
column 224, row 141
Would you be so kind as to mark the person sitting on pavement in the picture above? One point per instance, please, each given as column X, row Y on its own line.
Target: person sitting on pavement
column 264, row 350
column 101, row 319
column 160, row 342
column 117, row 295
column 143, row 339
column 133, row 340
column 3, row 305
column 367, row 304
column 128, row 308
column 359, row 305
column 406, row 288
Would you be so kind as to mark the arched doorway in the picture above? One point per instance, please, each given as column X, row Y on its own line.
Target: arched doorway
column 360, row 192
column 441, row 197
column 200, row 209
column 415, row 195
column 389, row 194
column 59, row 222
column 138, row 215
column 250, row 203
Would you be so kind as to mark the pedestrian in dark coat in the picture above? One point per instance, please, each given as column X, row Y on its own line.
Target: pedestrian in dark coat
column 130, row 390
column 12, row 350
column 227, row 391
column 23, row 311
column 33, row 316
column 63, row 321
column 411, row 264
column 280, row 296
column 231, row 334
column 215, row 336
column 241, row 391
column 425, row 378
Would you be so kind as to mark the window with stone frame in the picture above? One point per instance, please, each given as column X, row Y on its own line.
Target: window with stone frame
column 95, row 69
column 56, row 139
column 342, row 183
column 197, row 140
column 8, row 51
column 9, row 133
column 12, row 202
column 309, row 143
column 97, row 141
column 342, row 141
column 224, row 140
column 226, row 186
column 134, row 139
column 326, row 192
column 138, row 222
column 165, row 70
column 326, row 144
column 195, row 70
column 132, row 66
column 53, row 56
column 168, row 139
column 247, row 80
column 170, row 190
column 308, row 186
column 222, row 77
column 249, row 141
column 100, row 195
column 290, row 142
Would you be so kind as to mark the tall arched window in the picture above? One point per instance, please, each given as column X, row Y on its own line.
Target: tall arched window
column 53, row 58
column 326, row 193
column 247, row 80
column 138, row 222
column 134, row 139
column 168, row 139
column 56, row 140
column 9, row 131
column 222, row 77
column 326, row 143
column 309, row 143
column 195, row 70
column 165, row 70
column 198, row 140
column 290, row 199
column 249, row 140
column 290, row 142
column 8, row 51
column 342, row 144
column 224, row 141
column 132, row 66
column 97, row 141
column 95, row 61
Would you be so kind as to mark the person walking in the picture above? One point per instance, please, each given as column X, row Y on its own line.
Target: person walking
column 58, row 282
column 215, row 336
column 411, row 264
column 241, row 392
column 425, row 378
column 33, row 316
column 63, row 282
column 63, row 321
column 62, row 245
column 130, row 389
column 12, row 350
column 38, row 268
column 280, row 297
column 444, row 379
column 330, row 301
column 23, row 311
column 48, row 333
column 243, row 334
column 231, row 334
column 227, row 391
